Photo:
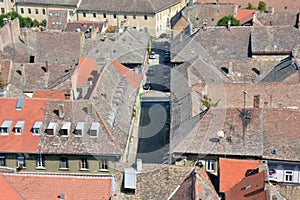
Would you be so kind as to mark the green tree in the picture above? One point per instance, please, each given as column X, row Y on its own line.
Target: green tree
column 43, row 23
column 35, row 23
column 250, row 7
column 24, row 22
column 262, row 6
column 225, row 19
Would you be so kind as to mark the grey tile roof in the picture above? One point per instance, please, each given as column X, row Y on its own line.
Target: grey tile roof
column 74, row 112
column 31, row 76
column 128, row 48
column 18, row 52
column 50, row 2
column 114, row 99
column 55, row 47
column 277, row 19
column 132, row 6
column 281, row 71
column 218, row 43
column 83, row 26
column 274, row 39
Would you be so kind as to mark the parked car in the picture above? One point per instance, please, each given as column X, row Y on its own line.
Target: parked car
column 152, row 55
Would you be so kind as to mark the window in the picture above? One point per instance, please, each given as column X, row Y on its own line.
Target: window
column 2, row 10
column 18, row 130
column 40, row 162
column 288, row 176
column 29, row 10
column 4, row 130
column 134, row 16
column 21, row 162
column 22, row 10
column 125, row 16
column 44, row 12
column 104, row 15
column 84, row 14
column 94, row 15
column 84, row 163
column 103, row 165
column 115, row 16
column 36, row 11
column 57, row 14
column 210, row 165
column 12, row 1
column 2, row 161
column 63, row 163
column 145, row 17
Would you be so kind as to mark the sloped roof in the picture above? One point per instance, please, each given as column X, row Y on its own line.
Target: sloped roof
column 274, row 39
column 55, row 47
column 83, row 25
column 57, row 19
column 251, row 187
column 34, row 186
column 49, row 94
column 133, row 78
column 74, row 112
column 277, row 19
column 280, row 6
column 4, row 69
column 245, row 16
column 50, row 2
column 86, row 70
column 114, row 97
column 232, row 171
column 31, row 112
column 141, row 6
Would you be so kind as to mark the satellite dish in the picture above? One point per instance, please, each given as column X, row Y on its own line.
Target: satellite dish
column 220, row 134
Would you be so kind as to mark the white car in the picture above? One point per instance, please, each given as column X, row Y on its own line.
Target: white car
column 152, row 55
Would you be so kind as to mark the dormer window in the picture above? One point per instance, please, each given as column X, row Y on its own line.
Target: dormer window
column 94, row 130
column 37, row 128
column 18, row 129
column 65, row 129
column 79, row 129
column 51, row 130
column 5, row 127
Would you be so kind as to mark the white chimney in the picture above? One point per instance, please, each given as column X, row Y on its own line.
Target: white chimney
column 139, row 165
column 61, row 112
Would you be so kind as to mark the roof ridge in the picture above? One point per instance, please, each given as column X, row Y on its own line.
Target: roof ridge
column 12, row 186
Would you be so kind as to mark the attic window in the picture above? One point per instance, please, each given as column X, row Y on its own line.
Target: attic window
column 65, row 129
column 37, row 127
column 51, row 129
column 94, row 130
column 57, row 14
column 31, row 59
column 5, row 127
column 129, row 180
column 210, row 165
column 79, row 129
column 19, row 72
column 18, row 129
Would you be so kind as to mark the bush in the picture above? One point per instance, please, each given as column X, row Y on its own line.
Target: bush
column 35, row 23
column 262, row 6
column 43, row 23
column 224, row 21
column 24, row 22
column 250, row 7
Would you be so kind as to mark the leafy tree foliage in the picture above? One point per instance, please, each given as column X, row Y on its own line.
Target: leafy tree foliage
column 24, row 22
column 250, row 7
column 224, row 21
column 43, row 23
column 262, row 6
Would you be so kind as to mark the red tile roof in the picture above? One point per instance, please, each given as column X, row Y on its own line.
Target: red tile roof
column 84, row 73
column 233, row 171
column 133, row 78
column 49, row 94
column 251, row 187
column 32, row 111
column 36, row 187
column 245, row 15
column 7, row 191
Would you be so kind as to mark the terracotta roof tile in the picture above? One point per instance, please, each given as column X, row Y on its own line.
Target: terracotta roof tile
column 245, row 15
column 49, row 94
column 7, row 191
column 31, row 112
column 233, row 171
column 86, row 71
column 251, row 187
column 35, row 187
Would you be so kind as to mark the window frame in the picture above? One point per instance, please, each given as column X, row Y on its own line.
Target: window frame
column 84, row 164
column 43, row 11
column 63, row 163
column 288, row 175
column 94, row 15
column 2, row 10
column 145, row 17
column 133, row 16
column 104, row 15
column 210, row 165
column 103, row 165
column 29, row 10
column 21, row 162
column 22, row 10
column 40, row 162
column 84, row 14
column 2, row 161
column 36, row 11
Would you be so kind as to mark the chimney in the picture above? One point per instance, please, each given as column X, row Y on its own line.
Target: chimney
column 61, row 112
column 228, row 24
column 139, row 165
column 298, row 21
column 236, row 10
column 5, row 21
column 67, row 94
column 47, row 66
column 230, row 68
column 271, row 10
column 89, row 108
column 84, row 90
